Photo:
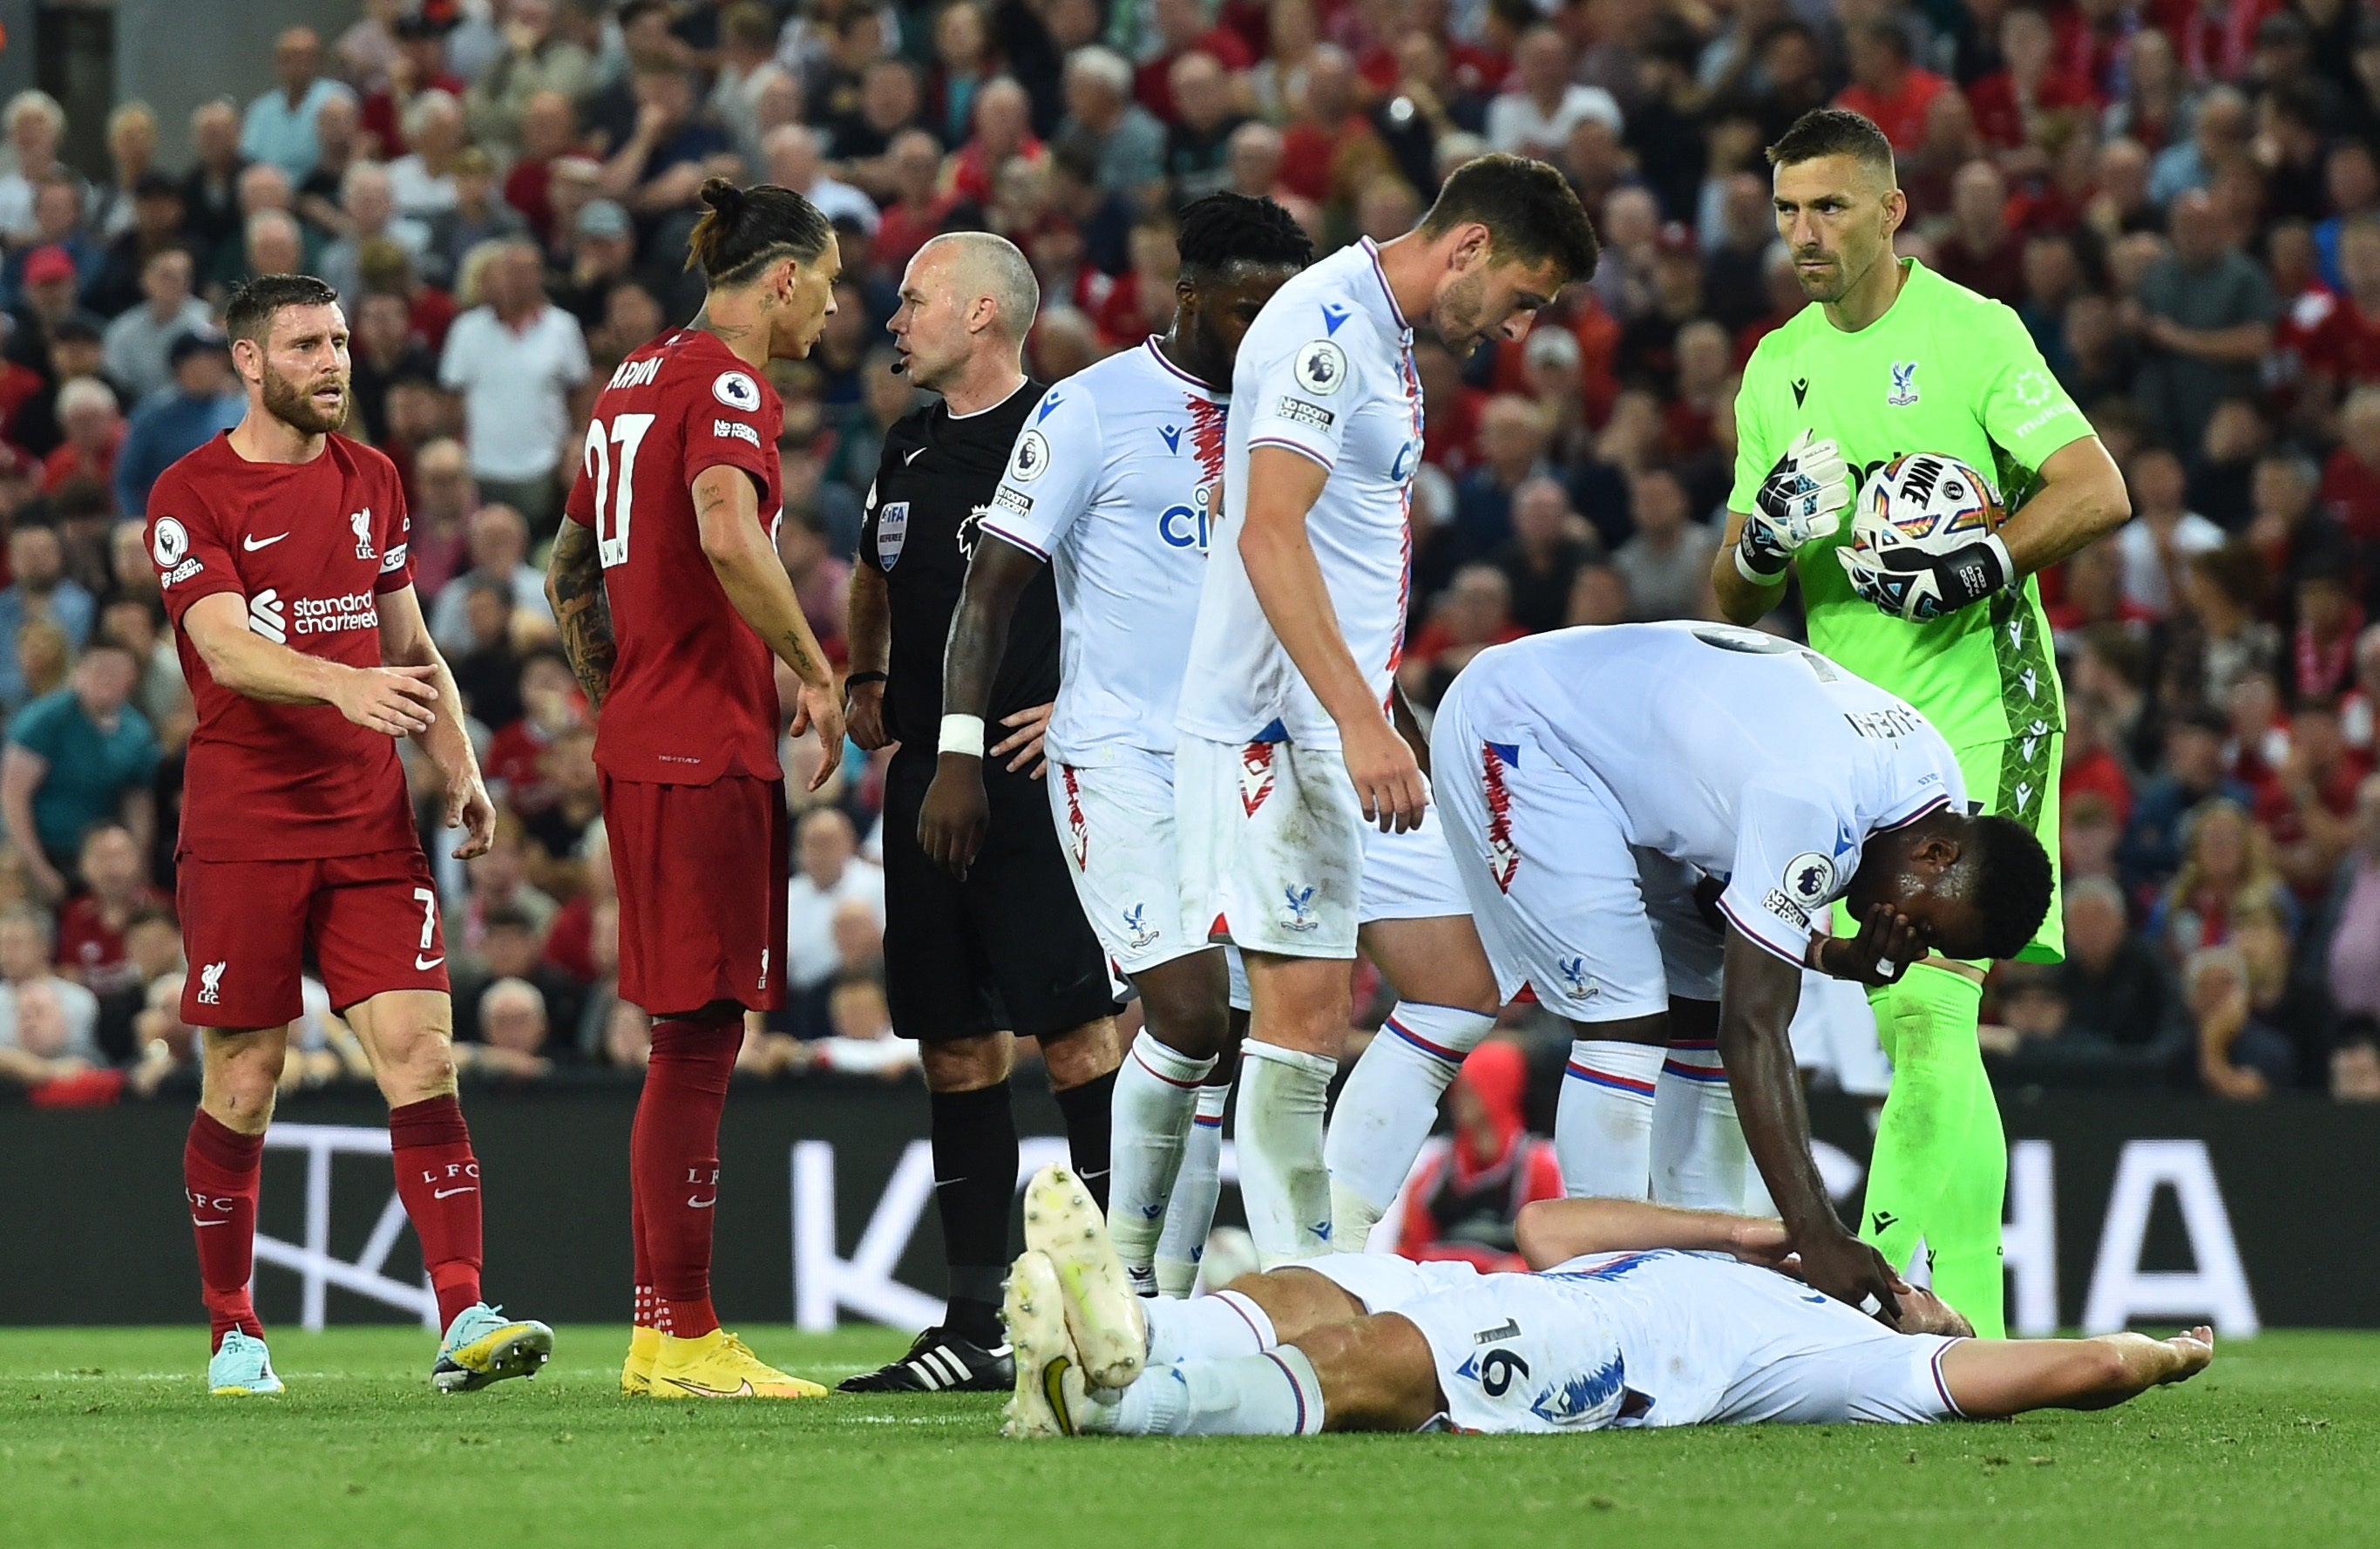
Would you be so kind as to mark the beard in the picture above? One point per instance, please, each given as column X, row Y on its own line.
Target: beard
column 1459, row 318
column 294, row 405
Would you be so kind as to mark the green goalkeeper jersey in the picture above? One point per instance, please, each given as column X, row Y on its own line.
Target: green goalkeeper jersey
column 1943, row 371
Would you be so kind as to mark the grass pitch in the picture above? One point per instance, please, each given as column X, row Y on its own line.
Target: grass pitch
column 108, row 1437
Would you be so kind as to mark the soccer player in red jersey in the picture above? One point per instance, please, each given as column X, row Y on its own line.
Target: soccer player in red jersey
column 672, row 601
column 281, row 550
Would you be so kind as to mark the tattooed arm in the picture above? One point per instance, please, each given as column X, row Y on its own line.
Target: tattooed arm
column 727, row 508
column 574, row 584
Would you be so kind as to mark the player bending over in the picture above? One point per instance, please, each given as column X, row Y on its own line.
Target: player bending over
column 1641, row 1316
column 1597, row 786
column 282, row 561
column 671, row 602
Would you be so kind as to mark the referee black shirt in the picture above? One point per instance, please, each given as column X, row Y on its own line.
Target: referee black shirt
column 938, row 472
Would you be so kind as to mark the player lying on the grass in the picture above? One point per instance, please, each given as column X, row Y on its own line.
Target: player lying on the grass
column 1644, row 1315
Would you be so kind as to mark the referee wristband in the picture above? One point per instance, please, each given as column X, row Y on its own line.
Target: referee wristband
column 962, row 734
column 855, row 679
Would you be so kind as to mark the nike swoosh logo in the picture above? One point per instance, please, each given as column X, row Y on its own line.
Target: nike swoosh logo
column 693, row 1203
column 253, row 545
column 196, row 1222
column 741, row 1390
column 424, row 965
column 908, row 458
column 443, row 1193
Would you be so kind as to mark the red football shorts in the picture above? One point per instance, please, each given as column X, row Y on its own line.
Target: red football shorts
column 372, row 920
column 703, row 872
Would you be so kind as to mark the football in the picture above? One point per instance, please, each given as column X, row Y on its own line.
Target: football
column 1934, row 502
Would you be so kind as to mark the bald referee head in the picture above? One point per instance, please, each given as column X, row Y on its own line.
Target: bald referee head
column 967, row 300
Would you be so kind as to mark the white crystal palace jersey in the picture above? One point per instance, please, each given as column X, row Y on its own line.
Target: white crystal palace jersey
column 1326, row 371
column 1113, row 482
column 1744, row 755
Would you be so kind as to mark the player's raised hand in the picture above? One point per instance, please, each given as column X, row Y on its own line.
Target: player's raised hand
column 1851, row 1271
column 1388, row 778
column 468, row 809
column 395, row 702
column 821, row 709
column 954, row 815
column 1031, row 725
column 862, row 710
column 1800, row 501
column 1887, row 942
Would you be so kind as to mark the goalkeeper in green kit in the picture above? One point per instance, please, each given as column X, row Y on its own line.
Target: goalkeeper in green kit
column 1894, row 358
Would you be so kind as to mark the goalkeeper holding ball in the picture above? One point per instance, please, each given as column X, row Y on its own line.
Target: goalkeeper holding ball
column 1897, row 360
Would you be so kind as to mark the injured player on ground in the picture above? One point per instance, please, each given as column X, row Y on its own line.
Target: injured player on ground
column 1637, row 1315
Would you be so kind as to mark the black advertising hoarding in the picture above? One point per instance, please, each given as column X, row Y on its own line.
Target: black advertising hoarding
column 2150, row 1209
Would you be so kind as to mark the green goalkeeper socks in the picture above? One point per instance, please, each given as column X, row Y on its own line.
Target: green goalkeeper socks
column 1939, row 1168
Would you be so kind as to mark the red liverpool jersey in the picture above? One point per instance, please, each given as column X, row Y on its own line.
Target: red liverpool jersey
column 312, row 547
column 694, row 689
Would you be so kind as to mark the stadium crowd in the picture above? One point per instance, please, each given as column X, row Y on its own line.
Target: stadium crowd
column 2180, row 198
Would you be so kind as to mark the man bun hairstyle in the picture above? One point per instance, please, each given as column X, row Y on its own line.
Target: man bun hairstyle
column 249, row 314
column 2012, row 883
column 1836, row 131
column 1532, row 214
column 745, row 230
column 1226, row 228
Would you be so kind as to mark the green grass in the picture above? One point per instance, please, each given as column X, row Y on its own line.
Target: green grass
column 108, row 1437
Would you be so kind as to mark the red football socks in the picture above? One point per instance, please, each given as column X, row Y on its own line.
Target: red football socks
column 674, row 1163
column 219, row 1180
column 438, row 1179
column 647, row 1310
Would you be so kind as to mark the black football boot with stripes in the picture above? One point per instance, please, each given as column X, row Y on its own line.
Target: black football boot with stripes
column 940, row 1361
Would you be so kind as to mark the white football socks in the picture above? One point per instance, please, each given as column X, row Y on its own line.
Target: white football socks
column 1156, row 1090
column 1699, row 1160
column 1603, row 1128
column 1387, row 1109
column 1282, row 1185
column 1226, row 1323
column 1190, row 1214
column 1275, row 1393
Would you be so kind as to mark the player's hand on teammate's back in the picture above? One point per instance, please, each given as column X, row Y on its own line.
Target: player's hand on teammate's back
column 1800, row 501
column 1387, row 777
column 1851, row 1271
column 952, row 818
column 864, row 716
column 1031, row 725
column 1887, row 942
column 468, row 809
column 398, row 701
column 821, row 709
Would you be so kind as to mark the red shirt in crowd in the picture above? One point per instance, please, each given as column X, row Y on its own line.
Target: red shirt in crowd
column 311, row 548
column 2344, row 344
column 2000, row 113
column 93, row 948
column 694, row 689
column 1153, row 82
column 2352, row 490
column 1902, row 115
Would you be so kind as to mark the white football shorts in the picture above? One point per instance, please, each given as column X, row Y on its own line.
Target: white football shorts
column 1271, row 845
column 1116, row 823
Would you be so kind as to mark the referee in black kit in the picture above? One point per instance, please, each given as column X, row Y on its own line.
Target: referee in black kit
column 970, row 965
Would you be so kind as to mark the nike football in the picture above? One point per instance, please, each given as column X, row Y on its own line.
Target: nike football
column 1927, row 501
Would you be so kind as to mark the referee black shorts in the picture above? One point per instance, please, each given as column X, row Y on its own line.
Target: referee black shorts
column 1009, row 947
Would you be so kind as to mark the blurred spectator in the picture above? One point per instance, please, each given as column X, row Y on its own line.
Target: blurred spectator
column 43, row 1019
column 499, row 553
column 39, row 588
column 2350, row 481
column 2157, row 544
column 78, row 757
column 211, row 189
column 548, row 132
column 1886, row 86
column 537, row 61
column 92, row 925
column 279, row 126
column 444, row 503
column 2193, row 775
column 200, row 399
column 2355, row 1067
column 2240, row 1056
column 1534, row 115
column 1472, row 614
column 1666, row 565
column 792, row 161
column 136, row 343
column 2108, row 1015
column 421, row 182
column 514, row 1027
column 1980, row 251
column 509, row 950
column 35, row 125
column 515, row 360
column 1549, row 545
column 368, row 212
column 1127, row 144
column 862, row 1042
column 827, row 874
column 498, row 883
column 1513, row 435
column 2227, row 871
column 1464, row 1199
column 2204, row 318
column 94, row 432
